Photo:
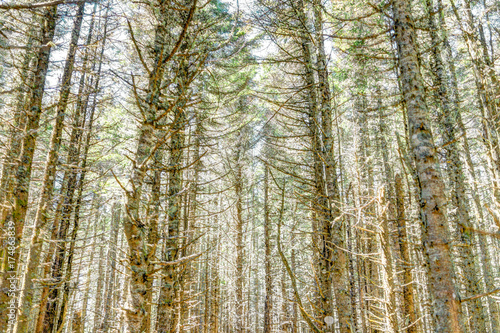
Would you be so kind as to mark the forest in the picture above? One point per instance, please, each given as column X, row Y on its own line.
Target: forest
column 242, row 166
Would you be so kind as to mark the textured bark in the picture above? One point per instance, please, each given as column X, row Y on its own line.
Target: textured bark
column 435, row 235
column 168, row 302
column 13, row 149
column 322, row 226
column 168, row 316
column 268, row 303
column 99, row 287
column 64, row 211
column 77, row 323
column 45, row 201
column 454, row 168
column 388, row 270
column 409, row 314
column 215, row 294
column 17, row 215
column 334, row 234
column 136, row 229
column 141, row 253
column 240, row 247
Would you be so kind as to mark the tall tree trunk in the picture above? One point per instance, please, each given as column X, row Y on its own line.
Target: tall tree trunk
column 435, row 235
column 168, row 302
column 409, row 315
column 45, row 201
column 99, row 287
column 15, row 218
column 136, row 230
column 322, row 227
column 334, row 233
column 65, row 209
column 86, row 289
column 240, row 246
column 13, row 149
column 455, row 170
column 268, row 303
column 215, row 290
column 387, row 264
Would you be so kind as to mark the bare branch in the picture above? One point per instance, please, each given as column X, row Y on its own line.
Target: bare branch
column 40, row 4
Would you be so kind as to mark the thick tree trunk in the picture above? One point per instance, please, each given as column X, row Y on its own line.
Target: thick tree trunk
column 435, row 235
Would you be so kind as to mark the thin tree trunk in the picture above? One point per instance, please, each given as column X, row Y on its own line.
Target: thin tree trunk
column 485, row 257
column 99, row 287
column 240, row 247
column 215, row 290
column 268, row 303
column 387, row 263
column 409, row 315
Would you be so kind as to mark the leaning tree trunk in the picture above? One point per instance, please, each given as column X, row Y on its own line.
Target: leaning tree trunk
column 435, row 234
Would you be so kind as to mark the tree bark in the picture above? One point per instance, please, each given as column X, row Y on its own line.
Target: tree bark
column 45, row 201
column 268, row 303
column 409, row 315
column 454, row 167
column 435, row 235
column 15, row 218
